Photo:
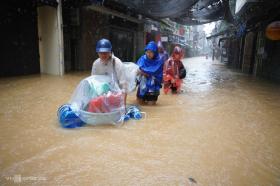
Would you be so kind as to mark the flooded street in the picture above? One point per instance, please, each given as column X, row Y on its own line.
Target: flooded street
column 223, row 129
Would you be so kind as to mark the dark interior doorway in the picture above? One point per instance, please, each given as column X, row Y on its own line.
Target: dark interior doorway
column 19, row 39
column 122, row 41
column 71, row 35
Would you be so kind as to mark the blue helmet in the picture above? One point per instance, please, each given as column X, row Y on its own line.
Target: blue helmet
column 103, row 45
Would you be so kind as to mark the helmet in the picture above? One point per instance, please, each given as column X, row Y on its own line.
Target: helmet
column 103, row 45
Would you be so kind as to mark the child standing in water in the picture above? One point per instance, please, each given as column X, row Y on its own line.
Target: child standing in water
column 174, row 71
column 150, row 70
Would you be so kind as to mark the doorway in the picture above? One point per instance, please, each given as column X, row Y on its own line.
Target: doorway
column 19, row 39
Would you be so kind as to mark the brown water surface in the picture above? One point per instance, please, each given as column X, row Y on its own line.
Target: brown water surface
column 223, row 129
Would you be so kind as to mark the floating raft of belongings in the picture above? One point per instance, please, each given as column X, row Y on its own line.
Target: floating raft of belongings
column 98, row 100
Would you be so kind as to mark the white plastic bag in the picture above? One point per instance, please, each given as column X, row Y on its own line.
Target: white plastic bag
column 98, row 100
column 131, row 75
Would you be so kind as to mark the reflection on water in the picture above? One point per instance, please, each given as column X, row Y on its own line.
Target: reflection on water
column 222, row 130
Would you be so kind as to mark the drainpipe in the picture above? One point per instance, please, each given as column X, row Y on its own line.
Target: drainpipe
column 60, row 38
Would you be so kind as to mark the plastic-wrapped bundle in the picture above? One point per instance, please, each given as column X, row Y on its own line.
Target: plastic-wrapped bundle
column 142, row 85
column 89, row 88
column 106, row 103
column 98, row 100
column 67, row 118
column 133, row 112
column 131, row 75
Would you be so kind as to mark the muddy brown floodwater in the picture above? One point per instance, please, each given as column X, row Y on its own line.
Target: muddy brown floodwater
column 223, row 129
